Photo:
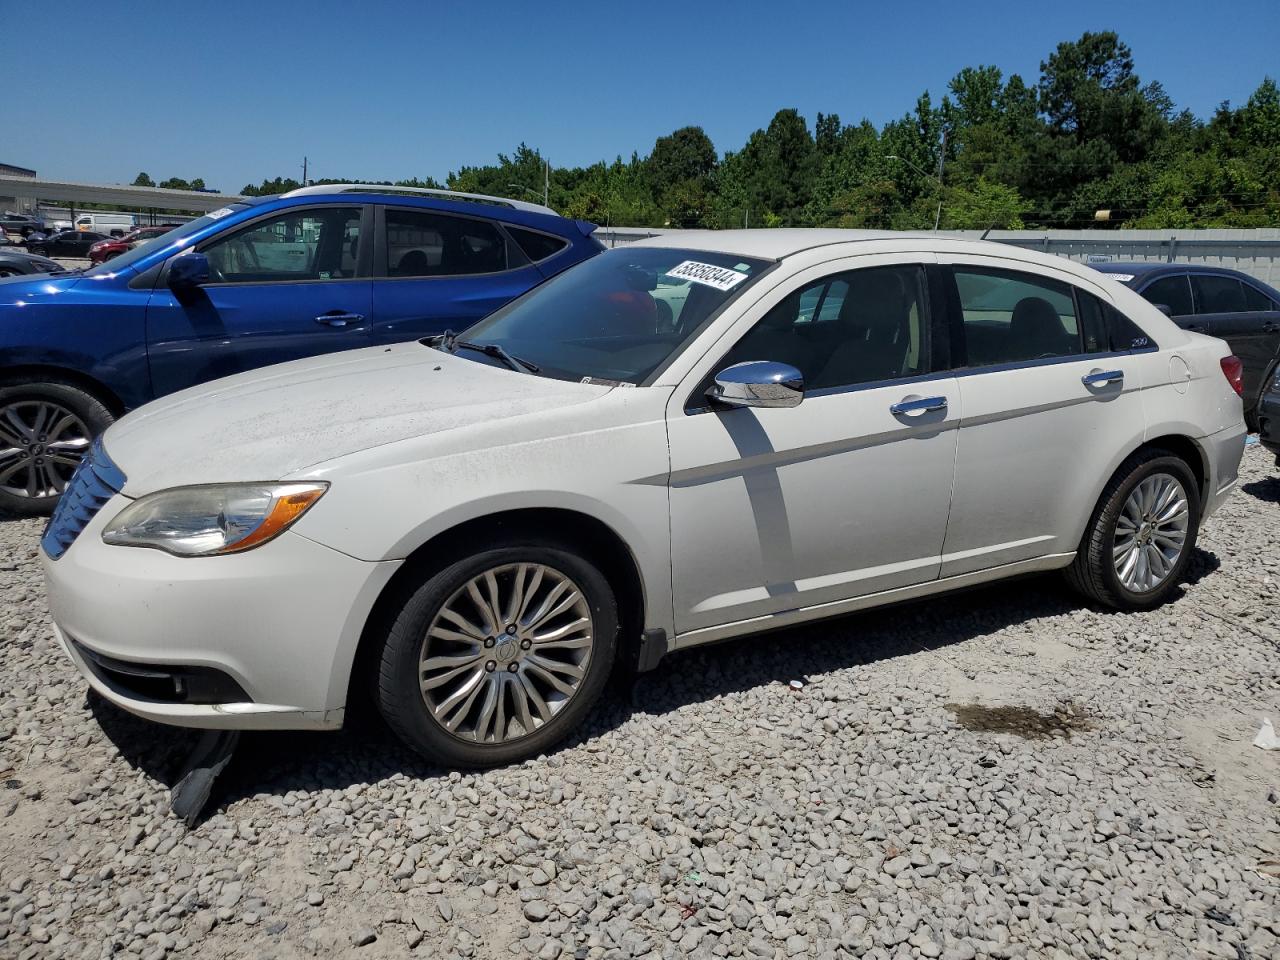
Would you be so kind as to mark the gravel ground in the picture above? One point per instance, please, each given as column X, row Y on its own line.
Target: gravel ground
column 1001, row 773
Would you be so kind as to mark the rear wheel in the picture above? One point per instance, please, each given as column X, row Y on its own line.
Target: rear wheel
column 46, row 428
column 1141, row 535
column 500, row 655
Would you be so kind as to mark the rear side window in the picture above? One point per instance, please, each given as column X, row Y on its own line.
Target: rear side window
column 1172, row 292
column 537, row 246
column 423, row 244
column 1217, row 294
column 1106, row 328
column 1011, row 317
column 1255, row 299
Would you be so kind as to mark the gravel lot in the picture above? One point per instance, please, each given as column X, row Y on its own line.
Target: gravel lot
column 1002, row 773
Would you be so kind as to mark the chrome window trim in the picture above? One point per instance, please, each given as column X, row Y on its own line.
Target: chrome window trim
column 953, row 374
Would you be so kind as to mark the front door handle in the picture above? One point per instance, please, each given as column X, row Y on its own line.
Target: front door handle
column 919, row 405
column 1100, row 378
column 337, row 319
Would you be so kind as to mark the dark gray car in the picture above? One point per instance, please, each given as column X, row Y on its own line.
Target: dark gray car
column 1223, row 303
column 16, row 263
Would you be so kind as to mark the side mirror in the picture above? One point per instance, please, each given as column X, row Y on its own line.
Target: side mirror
column 188, row 271
column 1164, row 308
column 758, row 383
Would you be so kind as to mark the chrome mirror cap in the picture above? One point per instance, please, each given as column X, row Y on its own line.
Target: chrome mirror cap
column 758, row 383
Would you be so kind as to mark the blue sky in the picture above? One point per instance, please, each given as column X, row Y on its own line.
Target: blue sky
column 236, row 91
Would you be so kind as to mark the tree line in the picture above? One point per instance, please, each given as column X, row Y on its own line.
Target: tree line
column 1089, row 143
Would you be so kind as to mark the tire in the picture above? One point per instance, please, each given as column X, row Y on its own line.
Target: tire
column 1094, row 571
column 504, row 666
column 20, row 399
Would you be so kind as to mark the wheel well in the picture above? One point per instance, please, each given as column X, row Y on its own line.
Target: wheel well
column 104, row 395
column 597, row 541
column 1187, row 450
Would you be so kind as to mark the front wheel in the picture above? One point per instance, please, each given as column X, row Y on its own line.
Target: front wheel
column 46, row 428
column 1141, row 535
column 497, row 657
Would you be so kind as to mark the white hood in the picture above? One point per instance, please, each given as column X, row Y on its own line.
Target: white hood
column 271, row 423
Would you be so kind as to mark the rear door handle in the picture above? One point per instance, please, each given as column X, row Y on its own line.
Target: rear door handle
column 339, row 319
column 1271, row 327
column 1100, row 378
column 919, row 405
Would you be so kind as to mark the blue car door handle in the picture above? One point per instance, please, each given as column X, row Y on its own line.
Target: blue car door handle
column 339, row 319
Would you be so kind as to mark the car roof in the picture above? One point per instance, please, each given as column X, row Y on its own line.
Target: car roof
column 780, row 242
column 773, row 243
column 1142, row 268
column 516, row 214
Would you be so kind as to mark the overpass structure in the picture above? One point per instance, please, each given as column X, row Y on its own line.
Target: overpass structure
column 28, row 192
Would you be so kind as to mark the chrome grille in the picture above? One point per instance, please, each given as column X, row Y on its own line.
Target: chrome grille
column 95, row 482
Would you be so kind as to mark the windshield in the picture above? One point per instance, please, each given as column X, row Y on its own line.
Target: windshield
column 174, row 236
column 618, row 316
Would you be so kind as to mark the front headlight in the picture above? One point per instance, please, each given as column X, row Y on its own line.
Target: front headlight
column 215, row 519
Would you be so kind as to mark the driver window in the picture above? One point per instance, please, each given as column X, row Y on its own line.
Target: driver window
column 862, row 326
column 299, row 245
column 1011, row 317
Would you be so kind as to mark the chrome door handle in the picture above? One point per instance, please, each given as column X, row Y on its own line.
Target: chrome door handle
column 339, row 319
column 920, row 405
column 1102, row 377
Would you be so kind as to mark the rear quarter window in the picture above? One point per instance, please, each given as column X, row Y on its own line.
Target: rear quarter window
column 537, row 246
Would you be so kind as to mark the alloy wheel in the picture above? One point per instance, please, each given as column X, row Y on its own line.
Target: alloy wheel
column 506, row 653
column 1151, row 532
column 41, row 444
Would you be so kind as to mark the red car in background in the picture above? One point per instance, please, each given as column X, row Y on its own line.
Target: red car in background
column 104, row 250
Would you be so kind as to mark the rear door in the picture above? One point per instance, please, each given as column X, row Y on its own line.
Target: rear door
column 1047, row 403
column 441, row 271
column 288, row 285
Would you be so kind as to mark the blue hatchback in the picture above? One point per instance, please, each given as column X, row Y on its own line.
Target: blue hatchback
column 261, row 281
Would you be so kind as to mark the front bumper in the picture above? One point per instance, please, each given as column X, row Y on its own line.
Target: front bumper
column 1269, row 421
column 282, row 622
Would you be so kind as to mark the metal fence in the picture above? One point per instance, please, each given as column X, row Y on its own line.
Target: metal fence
column 1255, row 252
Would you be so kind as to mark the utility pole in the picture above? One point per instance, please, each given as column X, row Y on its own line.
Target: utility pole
column 304, row 171
column 942, row 158
column 546, row 183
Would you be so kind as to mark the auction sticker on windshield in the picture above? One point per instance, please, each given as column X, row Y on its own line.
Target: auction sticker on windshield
column 722, row 278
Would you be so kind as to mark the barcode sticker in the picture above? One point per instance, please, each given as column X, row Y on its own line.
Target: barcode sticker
column 722, row 278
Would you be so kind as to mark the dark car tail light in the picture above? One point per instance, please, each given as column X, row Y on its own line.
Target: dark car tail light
column 1233, row 370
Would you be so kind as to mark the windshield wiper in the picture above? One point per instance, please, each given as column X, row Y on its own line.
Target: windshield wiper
column 449, row 342
column 493, row 350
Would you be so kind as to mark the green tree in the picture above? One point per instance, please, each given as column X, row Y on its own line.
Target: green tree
column 143, row 180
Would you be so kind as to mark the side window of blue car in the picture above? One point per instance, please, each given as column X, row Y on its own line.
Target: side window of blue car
column 312, row 244
column 421, row 243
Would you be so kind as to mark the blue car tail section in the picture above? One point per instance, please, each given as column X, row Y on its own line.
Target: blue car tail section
column 95, row 482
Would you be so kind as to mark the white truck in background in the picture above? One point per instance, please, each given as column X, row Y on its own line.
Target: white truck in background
column 110, row 224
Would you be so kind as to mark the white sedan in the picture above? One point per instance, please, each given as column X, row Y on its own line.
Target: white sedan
column 692, row 438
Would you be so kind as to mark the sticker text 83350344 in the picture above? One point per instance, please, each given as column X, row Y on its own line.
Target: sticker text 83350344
column 722, row 278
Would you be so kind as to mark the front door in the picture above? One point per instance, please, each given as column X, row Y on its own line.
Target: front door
column 290, row 285
column 775, row 510
column 439, row 272
column 1047, row 403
